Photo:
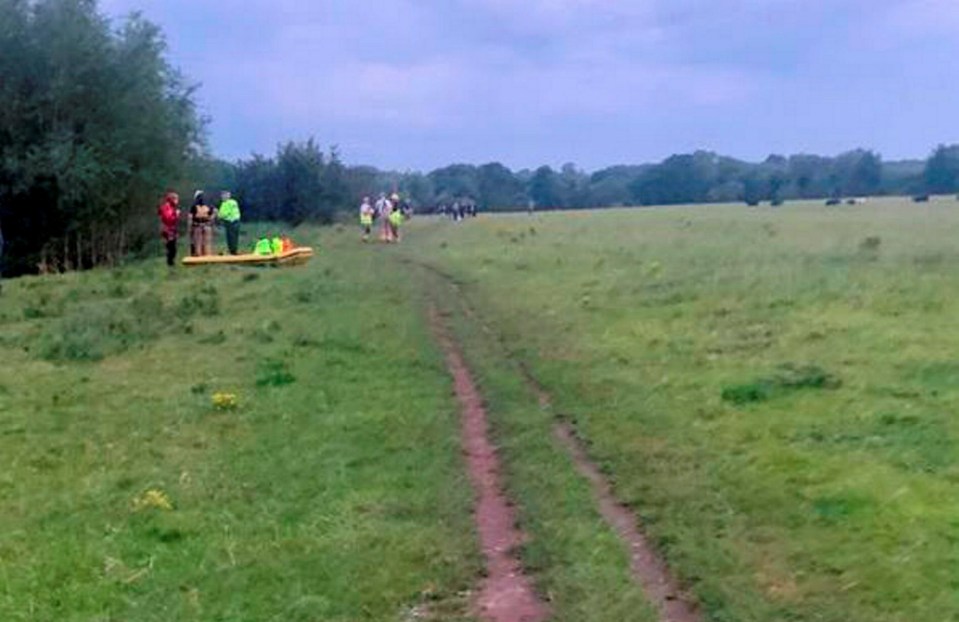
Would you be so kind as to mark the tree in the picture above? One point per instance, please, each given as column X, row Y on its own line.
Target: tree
column 499, row 188
column 300, row 184
column 941, row 174
column 95, row 123
column 545, row 188
column 454, row 182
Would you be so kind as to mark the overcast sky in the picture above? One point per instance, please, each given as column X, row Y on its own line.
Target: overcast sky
column 424, row 83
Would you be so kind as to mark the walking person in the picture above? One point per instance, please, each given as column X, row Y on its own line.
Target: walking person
column 366, row 218
column 169, row 212
column 396, row 219
column 200, row 224
column 229, row 215
column 383, row 210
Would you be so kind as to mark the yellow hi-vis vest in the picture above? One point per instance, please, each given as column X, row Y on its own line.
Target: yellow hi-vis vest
column 263, row 247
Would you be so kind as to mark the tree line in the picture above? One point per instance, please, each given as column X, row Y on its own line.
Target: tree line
column 301, row 182
column 96, row 124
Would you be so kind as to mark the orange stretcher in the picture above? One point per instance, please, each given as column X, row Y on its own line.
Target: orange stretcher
column 292, row 257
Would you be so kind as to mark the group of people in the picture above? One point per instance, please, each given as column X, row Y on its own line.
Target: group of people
column 201, row 219
column 458, row 210
column 391, row 211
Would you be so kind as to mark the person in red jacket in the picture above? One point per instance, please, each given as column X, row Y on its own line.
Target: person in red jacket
column 169, row 219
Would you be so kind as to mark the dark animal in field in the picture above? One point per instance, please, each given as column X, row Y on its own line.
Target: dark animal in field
column 921, row 198
column 831, row 202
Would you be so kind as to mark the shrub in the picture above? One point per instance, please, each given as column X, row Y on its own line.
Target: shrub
column 747, row 393
column 273, row 373
column 788, row 377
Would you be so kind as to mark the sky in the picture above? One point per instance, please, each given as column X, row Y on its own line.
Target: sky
column 419, row 84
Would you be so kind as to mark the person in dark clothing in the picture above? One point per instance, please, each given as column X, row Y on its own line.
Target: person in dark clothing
column 200, row 224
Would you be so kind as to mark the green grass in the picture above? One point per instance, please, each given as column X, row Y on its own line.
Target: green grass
column 772, row 390
column 577, row 561
column 335, row 491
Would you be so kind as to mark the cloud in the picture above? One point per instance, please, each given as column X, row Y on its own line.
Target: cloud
column 596, row 81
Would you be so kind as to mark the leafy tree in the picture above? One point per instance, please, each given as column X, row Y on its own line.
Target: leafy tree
column 498, row 187
column 941, row 174
column 95, row 123
column 546, row 189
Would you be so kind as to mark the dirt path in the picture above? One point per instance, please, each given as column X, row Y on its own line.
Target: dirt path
column 647, row 565
column 506, row 594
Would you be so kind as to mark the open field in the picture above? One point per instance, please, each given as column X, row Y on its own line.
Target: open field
column 772, row 391
column 334, row 491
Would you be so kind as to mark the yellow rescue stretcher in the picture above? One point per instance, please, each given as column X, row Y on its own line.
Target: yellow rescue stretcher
column 292, row 257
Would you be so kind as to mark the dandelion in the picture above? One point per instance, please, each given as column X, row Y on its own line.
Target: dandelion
column 225, row 401
column 152, row 499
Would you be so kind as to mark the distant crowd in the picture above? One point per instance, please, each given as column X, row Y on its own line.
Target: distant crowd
column 393, row 210
column 458, row 210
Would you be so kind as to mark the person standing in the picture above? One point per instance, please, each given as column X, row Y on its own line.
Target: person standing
column 229, row 215
column 200, row 224
column 396, row 219
column 383, row 210
column 169, row 212
column 366, row 218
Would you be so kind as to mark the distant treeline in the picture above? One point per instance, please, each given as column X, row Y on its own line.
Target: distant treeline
column 303, row 183
column 95, row 125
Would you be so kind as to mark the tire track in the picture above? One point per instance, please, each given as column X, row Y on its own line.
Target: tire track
column 506, row 593
column 648, row 568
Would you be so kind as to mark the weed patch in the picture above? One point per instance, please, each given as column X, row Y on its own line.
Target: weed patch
column 273, row 373
column 788, row 377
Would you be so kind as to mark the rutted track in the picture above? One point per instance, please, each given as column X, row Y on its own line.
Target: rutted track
column 647, row 566
column 507, row 594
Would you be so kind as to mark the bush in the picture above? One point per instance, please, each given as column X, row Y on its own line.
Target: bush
column 273, row 373
column 788, row 377
column 205, row 302
column 93, row 331
column 747, row 393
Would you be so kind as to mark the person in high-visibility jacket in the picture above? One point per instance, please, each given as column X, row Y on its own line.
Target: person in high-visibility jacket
column 276, row 243
column 366, row 218
column 229, row 215
column 264, row 246
column 396, row 219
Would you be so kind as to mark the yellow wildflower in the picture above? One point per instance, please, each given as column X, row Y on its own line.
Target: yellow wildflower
column 152, row 499
column 224, row 401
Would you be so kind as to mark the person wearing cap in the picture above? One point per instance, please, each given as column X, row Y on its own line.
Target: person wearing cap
column 200, row 224
column 229, row 215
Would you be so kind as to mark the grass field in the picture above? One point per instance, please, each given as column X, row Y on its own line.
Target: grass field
column 771, row 390
column 334, row 490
